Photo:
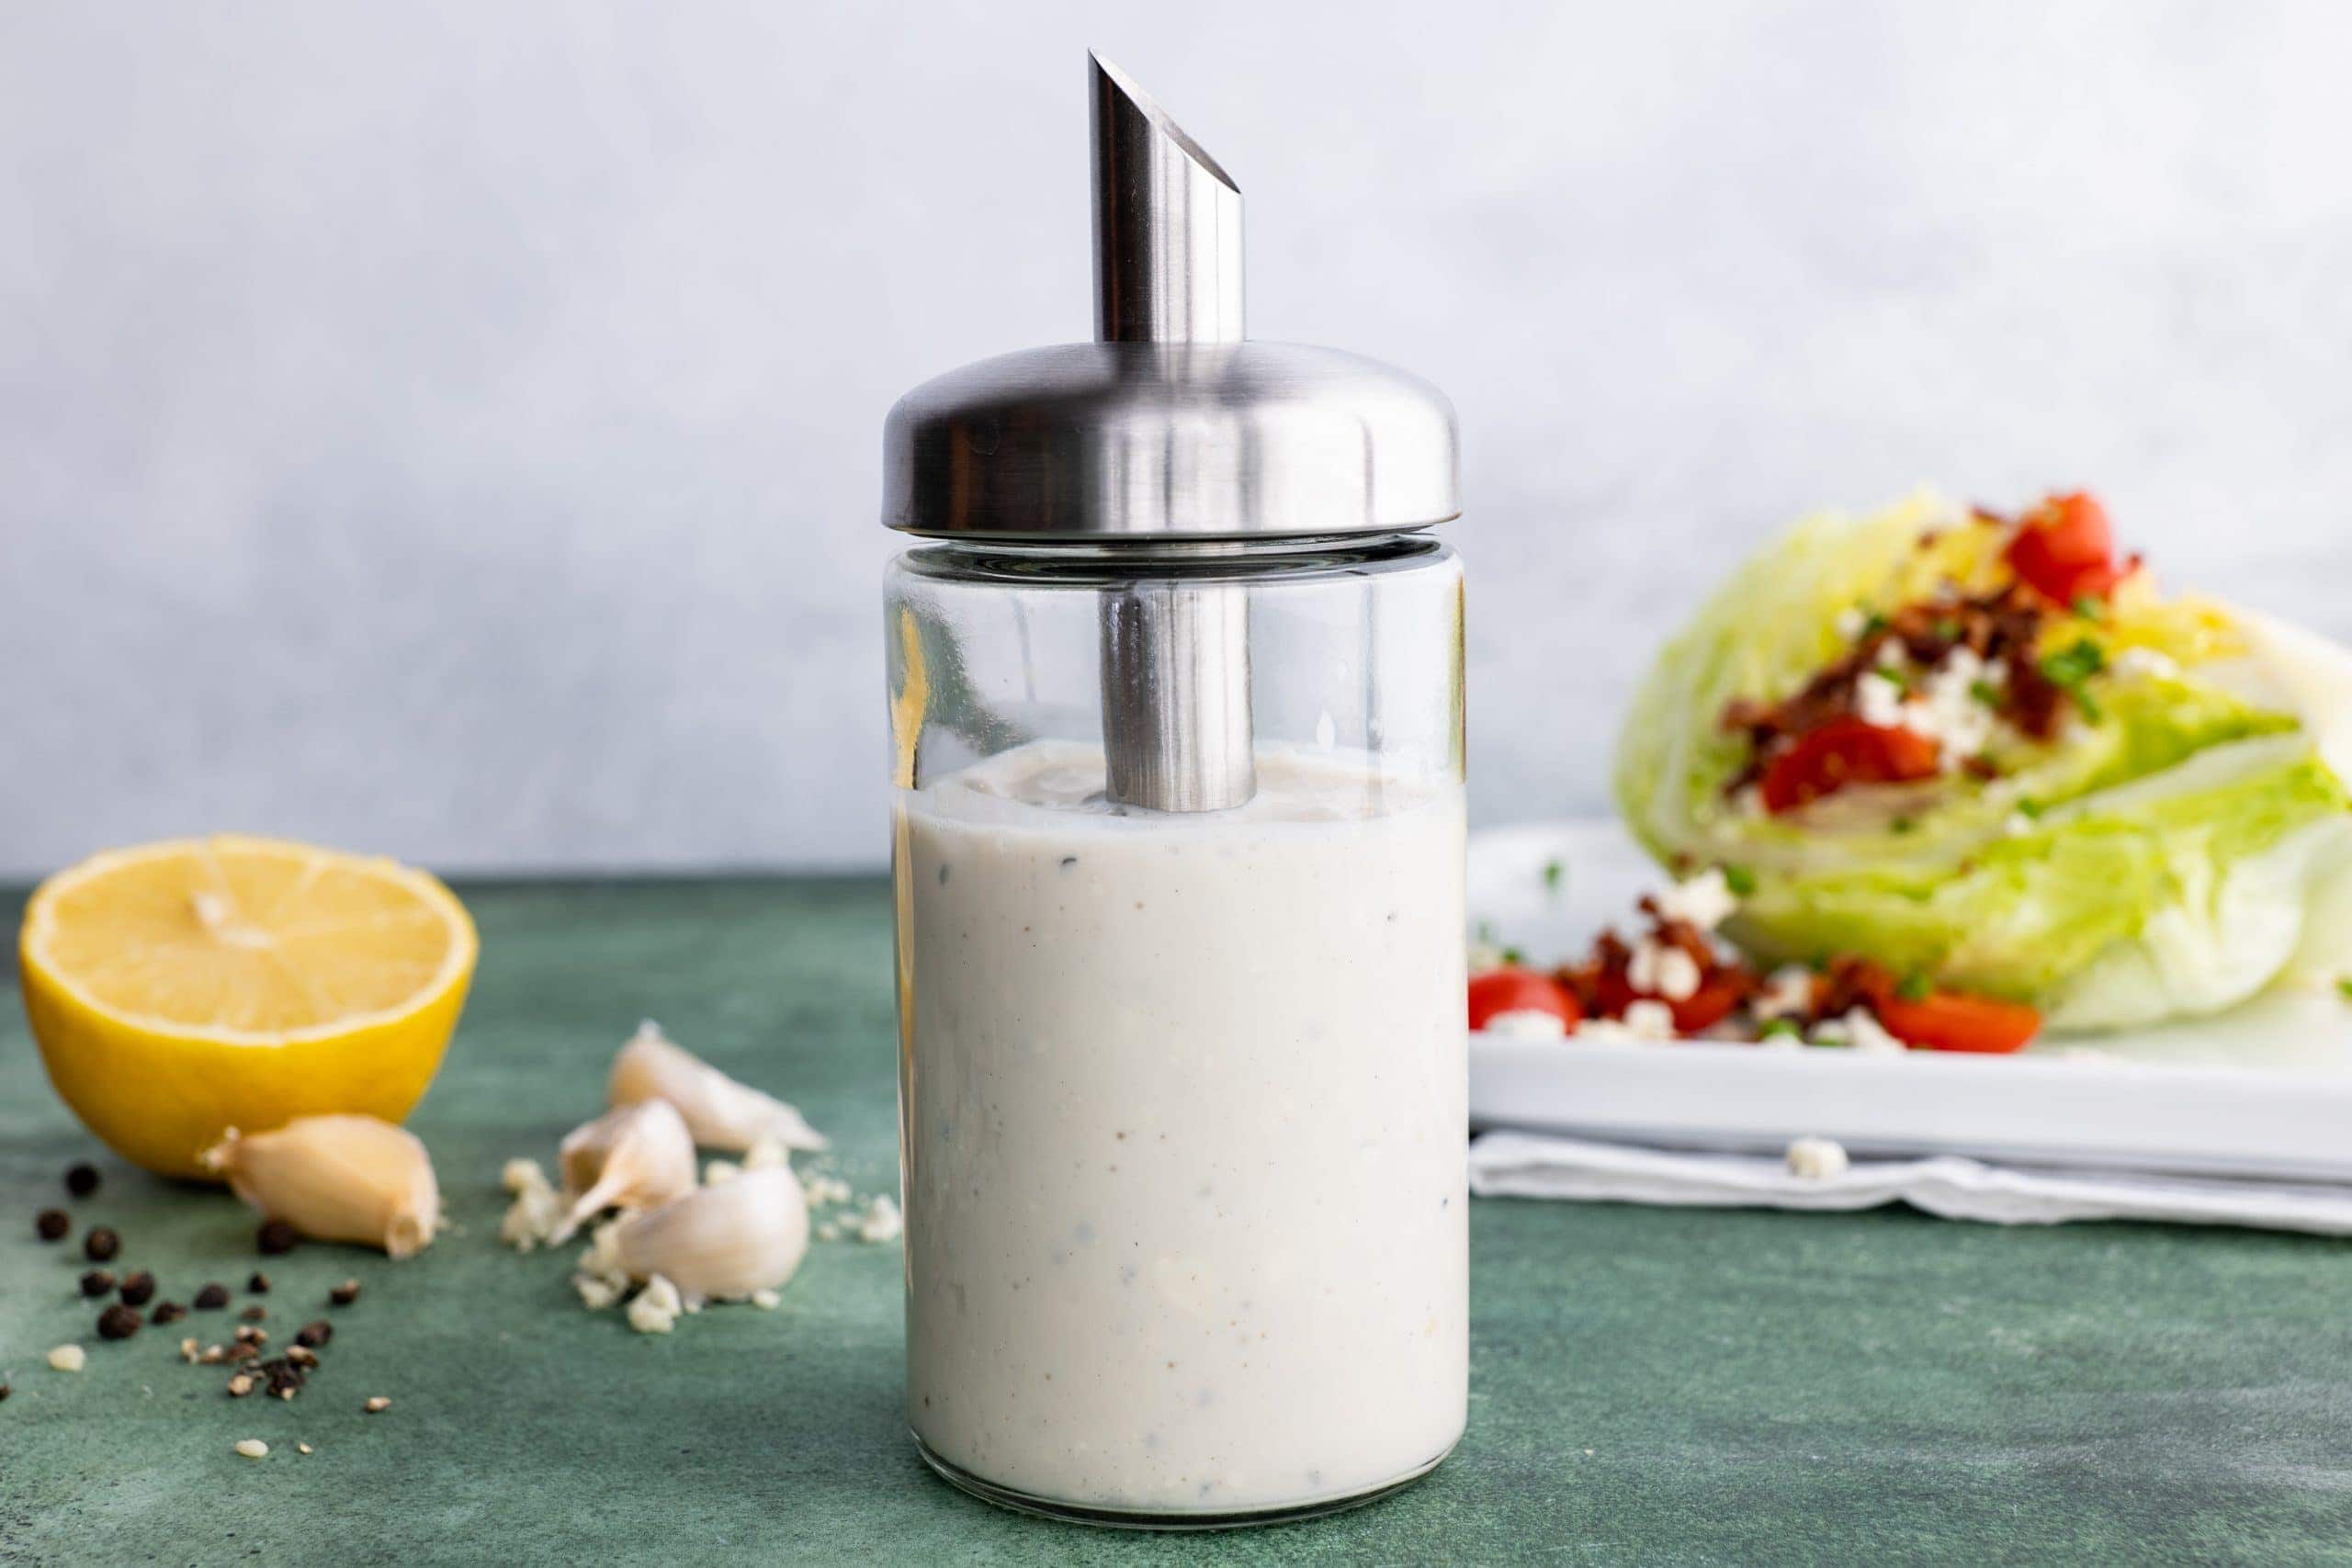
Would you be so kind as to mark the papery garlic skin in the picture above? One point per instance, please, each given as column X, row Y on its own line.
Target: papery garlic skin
column 656, row 1308
column 640, row 1156
column 595, row 1293
column 351, row 1178
column 729, row 1241
column 719, row 1113
column 881, row 1222
column 533, row 1218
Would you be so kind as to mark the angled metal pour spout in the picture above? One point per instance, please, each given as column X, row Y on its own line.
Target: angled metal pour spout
column 1166, row 224
column 1176, row 720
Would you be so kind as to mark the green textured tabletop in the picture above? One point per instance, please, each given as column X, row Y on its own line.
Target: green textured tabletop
column 1650, row 1386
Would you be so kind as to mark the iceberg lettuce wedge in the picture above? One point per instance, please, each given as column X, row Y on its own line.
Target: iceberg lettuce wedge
column 2174, row 847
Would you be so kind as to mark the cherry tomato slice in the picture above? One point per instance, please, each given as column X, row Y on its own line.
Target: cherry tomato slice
column 1845, row 752
column 2065, row 550
column 1947, row 1020
column 1519, row 990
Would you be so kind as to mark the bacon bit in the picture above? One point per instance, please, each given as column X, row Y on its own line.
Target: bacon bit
column 1604, row 985
column 1847, row 983
column 2003, row 627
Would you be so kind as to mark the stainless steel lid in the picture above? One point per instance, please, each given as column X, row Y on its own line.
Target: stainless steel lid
column 1170, row 424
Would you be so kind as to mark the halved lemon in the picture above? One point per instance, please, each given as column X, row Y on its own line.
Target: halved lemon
column 179, row 990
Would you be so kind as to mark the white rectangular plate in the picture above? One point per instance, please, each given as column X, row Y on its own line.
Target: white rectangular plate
column 2263, row 1090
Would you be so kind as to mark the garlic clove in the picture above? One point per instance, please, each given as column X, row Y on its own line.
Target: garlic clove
column 742, row 1236
column 637, row 1157
column 719, row 1113
column 337, row 1178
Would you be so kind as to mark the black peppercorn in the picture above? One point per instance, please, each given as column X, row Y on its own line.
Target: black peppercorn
column 259, row 1284
column 343, row 1295
column 97, row 1282
column 118, row 1321
column 276, row 1236
column 137, row 1289
column 313, row 1335
column 50, row 1225
column 255, row 1313
column 284, row 1378
column 82, row 1179
column 212, row 1297
column 100, row 1245
column 168, row 1312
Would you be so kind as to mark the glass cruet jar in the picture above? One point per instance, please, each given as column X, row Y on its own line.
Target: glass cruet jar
column 1176, row 717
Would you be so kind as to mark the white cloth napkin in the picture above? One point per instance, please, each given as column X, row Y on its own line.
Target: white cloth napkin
column 1527, row 1165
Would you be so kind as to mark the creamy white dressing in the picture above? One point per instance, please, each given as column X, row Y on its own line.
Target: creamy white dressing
column 1183, row 1122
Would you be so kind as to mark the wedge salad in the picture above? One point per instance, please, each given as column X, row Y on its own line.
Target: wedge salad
column 1957, row 771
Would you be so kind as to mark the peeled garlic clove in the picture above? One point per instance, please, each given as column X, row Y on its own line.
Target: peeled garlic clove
column 637, row 1157
column 719, row 1113
column 337, row 1179
column 747, row 1235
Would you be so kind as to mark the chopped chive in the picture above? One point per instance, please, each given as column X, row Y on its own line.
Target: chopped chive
column 1552, row 872
column 1514, row 957
column 1874, row 624
column 2069, row 668
column 2072, row 665
column 2344, row 985
column 1985, row 692
column 1780, row 1026
column 2088, row 607
column 2029, row 807
column 1914, row 987
column 1947, row 629
column 1486, row 933
column 1739, row 880
column 1902, row 825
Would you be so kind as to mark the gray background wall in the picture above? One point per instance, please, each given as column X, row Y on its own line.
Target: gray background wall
column 451, row 429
